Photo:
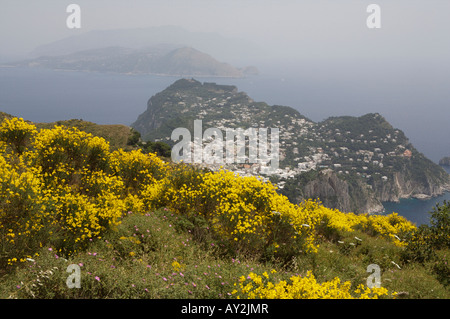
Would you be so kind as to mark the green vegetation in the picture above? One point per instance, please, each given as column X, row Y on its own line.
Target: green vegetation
column 141, row 228
column 118, row 136
column 171, row 257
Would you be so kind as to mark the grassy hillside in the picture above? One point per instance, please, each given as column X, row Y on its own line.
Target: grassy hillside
column 117, row 135
column 169, row 260
column 138, row 227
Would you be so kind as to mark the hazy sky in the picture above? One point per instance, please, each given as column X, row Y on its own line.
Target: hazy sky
column 401, row 70
column 320, row 28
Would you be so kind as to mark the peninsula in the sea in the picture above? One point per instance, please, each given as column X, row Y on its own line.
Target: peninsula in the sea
column 167, row 60
column 445, row 161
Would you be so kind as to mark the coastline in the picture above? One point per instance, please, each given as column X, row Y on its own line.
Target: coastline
column 133, row 73
column 415, row 209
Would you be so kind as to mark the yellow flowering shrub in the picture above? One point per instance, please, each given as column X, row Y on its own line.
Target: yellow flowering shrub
column 17, row 133
column 63, row 186
column 252, row 216
column 256, row 286
column 137, row 170
column 392, row 226
column 244, row 211
column 21, row 203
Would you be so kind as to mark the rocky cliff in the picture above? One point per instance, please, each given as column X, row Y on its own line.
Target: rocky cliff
column 403, row 185
column 333, row 192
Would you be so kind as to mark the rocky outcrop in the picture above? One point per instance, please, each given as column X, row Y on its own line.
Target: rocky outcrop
column 402, row 185
column 332, row 191
column 445, row 161
column 337, row 193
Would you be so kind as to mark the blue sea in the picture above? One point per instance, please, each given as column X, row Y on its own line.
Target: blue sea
column 408, row 102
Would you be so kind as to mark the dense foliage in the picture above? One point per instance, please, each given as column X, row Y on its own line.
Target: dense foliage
column 65, row 189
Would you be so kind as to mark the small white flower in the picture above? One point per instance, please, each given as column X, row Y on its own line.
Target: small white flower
column 393, row 262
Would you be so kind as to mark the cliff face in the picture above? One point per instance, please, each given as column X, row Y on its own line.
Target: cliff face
column 332, row 191
column 359, row 197
column 335, row 192
column 403, row 186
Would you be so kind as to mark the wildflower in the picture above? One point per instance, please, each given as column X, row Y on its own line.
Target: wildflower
column 394, row 263
column 97, row 278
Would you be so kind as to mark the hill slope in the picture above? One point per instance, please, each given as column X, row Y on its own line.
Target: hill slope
column 118, row 136
column 374, row 161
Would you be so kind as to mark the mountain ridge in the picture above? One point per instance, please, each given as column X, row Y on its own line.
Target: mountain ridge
column 235, row 50
column 162, row 59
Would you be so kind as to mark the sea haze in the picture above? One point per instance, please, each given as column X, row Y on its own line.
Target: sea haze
column 42, row 95
column 411, row 101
